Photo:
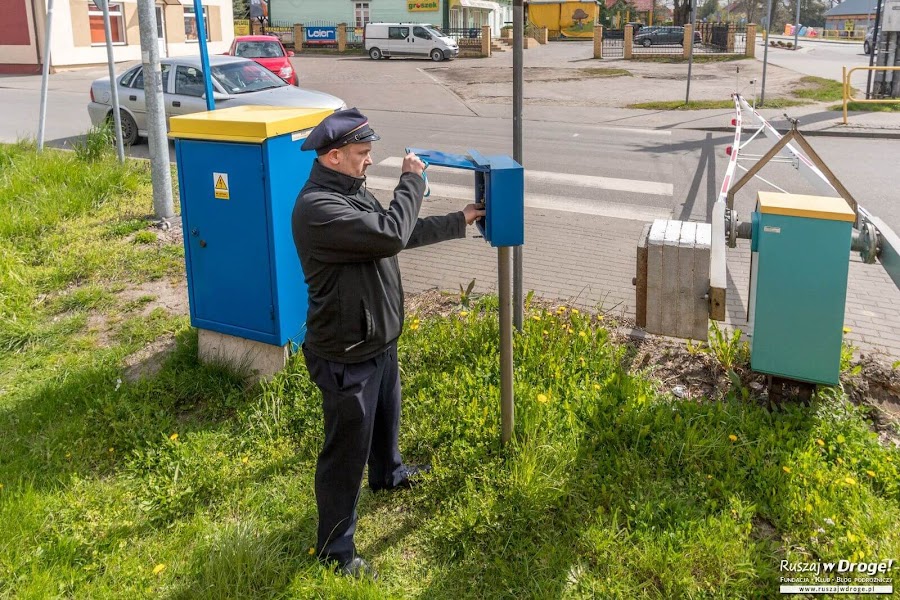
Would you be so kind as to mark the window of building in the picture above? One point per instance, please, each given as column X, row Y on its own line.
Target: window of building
column 116, row 24
column 398, row 33
column 190, row 24
column 362, row 14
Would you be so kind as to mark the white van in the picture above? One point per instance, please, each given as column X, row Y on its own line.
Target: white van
column 384, row 40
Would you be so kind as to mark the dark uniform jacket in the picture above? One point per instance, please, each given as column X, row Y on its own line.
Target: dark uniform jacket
column 348, row 245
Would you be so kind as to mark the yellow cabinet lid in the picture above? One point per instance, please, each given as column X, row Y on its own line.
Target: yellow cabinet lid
column 811, row 207
column 253, row 124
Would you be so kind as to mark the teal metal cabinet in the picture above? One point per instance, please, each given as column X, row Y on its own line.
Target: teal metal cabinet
column 798, row 292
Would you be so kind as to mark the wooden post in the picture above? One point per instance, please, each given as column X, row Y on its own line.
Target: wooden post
column 298, row 37
column 629, row 41
column 751, row 41
column 730, row 47
column 486, row 41
column 342, row 37
column 688, row 39
column 598, row 41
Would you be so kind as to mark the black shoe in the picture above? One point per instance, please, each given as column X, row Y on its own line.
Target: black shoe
column 357, row 568
column 411, row 478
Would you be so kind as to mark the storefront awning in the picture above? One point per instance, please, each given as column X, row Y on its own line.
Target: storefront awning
column 483, row 4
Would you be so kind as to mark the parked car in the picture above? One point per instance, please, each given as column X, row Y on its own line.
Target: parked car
column 384, row 40
column 868, row 44
column 268, row 51
column 663, row 36
column 235, row 81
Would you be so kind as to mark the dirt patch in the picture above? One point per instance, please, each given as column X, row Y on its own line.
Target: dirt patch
column 148, row 361
column 482, row 75
column 161, row 293
column 679, row 77
column 877, row 386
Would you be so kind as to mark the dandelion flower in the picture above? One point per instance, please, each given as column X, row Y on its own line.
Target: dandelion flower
column 582, row 334
column 570, row 330
column 312, row 551
column 820, row 442
column 709, row 476
column 245, row 459
column 840, row 460
column 542, row 398
column 575, row 311
column 870, row 473
column 159, row 569
column 732, row 437
column 110, row 449
column 786, row 469
column 536, row 317
column 464, row 313
column 847, row 330
column 546, row 332
column 841, row 439
column 850, row 481
column 596, row 386
column 173, row 437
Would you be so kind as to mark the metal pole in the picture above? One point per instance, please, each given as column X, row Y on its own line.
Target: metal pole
column 160, row 174
column 797, row 25
column 507, row 405
column 762, row 93
column 45, row 76
column 204, row 55
column 113, row 86
column 875, row 33
column 518, row 86
column 687, row 94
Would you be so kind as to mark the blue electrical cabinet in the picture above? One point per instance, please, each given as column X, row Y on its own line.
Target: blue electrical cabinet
column 499, row 185
column 798, row 272
column 240, row 171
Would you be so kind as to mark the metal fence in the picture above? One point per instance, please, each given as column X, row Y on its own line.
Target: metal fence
column 709, row 39
column 283, row 30
column 466, row 37
column 613, row 43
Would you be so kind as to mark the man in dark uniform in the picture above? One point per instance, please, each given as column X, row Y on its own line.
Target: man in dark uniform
column 348, row 245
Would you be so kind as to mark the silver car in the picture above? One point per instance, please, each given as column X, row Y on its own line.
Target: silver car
column 236, row 81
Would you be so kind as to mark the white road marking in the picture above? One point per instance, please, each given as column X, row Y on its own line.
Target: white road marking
column 635, row 186
column 615, row 210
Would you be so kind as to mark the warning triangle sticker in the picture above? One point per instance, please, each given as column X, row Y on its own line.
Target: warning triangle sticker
column 220, row 183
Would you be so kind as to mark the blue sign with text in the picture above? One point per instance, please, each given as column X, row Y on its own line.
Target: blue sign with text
column 321, row 35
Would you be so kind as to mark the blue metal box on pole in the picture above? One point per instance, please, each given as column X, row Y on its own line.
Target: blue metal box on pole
column 239, row 173
column 499, row 184
column 798, row 290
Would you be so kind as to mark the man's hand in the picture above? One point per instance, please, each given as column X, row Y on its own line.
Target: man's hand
column 472, row 212
column 413, row 164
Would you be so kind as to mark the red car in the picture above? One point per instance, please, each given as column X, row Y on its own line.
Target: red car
column 267, row 51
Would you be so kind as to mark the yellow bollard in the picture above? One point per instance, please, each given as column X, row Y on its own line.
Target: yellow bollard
column 846, row 92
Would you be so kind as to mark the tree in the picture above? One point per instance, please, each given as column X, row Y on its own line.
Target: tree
column 708, row 9
column 241, row 9
column 681, row 12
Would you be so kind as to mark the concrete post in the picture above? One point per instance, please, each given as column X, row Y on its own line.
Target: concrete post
column 730, row 47
column 688, row 39
column 598, row 41
column 342, row 37
column 298, row 37
column 629, row 42
column 486, row 41
column 751, row 41
column 543, row 35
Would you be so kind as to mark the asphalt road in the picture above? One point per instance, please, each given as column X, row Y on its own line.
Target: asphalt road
column 574, row 165
column 822, row 59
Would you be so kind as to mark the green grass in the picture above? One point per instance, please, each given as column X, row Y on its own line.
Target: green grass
column 809, row 89
column 604, row 72
column 190, row 484
column 866, row 107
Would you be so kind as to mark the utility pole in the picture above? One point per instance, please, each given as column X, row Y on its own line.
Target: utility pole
column 113, row 86
column 687, row 94
column 762, row 93
column 797, row 25
column 160, row 174
column 518, row 86
column 45, row 77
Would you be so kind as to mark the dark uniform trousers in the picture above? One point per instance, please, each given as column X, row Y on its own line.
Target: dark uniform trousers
column 361, row 405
